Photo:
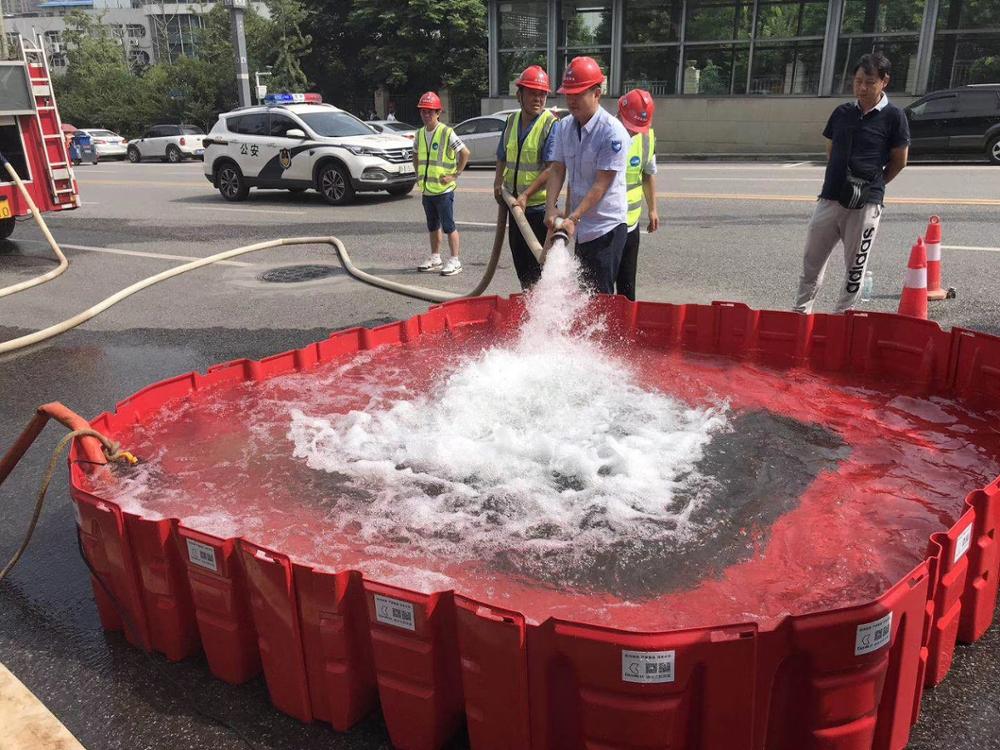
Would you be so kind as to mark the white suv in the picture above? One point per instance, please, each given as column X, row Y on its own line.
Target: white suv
column 301, row 145
column 172, row 143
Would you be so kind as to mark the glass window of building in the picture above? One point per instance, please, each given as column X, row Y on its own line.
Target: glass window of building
column 652, row 21
column 650, row 68
column 780, row 19
column 584, row 23
column 972, row 15
column 787, row 69
column 902, row 54
column 718, row 20
column 715, row 70
column 882, row 16
column 523, row 25
column 961, row 59
column 522, row 40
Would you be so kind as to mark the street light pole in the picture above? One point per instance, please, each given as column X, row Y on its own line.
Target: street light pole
column 236, row 11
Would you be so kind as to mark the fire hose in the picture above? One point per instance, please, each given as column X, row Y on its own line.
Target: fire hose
column 418, row 292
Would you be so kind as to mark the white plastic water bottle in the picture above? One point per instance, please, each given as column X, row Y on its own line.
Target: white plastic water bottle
column 867, row 287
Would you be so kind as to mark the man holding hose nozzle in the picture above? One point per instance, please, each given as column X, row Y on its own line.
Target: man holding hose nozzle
column 523, row 157
column 591, row 153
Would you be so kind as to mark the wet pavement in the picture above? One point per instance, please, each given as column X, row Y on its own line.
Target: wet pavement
column 111, row 695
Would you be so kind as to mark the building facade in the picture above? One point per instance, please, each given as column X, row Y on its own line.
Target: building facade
column 149, row 32
column 737, row 59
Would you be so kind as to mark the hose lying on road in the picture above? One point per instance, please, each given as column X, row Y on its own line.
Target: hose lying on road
column 430, row 295
column 63, row 263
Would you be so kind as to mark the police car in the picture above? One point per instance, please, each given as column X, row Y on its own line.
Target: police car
column 295, row 142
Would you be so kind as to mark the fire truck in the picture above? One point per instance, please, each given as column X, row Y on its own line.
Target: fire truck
column 31, row 138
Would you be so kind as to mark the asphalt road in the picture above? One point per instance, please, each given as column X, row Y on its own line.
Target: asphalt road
column 730, row 231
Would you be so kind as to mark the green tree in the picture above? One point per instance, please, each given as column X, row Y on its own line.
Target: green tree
column 98, row 79
column 289, row 44
column 422, row 43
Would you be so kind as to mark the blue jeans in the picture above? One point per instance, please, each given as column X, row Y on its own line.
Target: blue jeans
column 440, row 212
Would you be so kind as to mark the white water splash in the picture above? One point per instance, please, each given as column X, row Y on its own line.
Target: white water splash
column 548, row 443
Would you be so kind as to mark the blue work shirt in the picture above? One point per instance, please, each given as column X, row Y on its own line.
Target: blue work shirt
column 600, row 145
column 547, row 150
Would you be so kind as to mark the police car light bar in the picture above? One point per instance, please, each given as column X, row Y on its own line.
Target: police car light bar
column 293, row 99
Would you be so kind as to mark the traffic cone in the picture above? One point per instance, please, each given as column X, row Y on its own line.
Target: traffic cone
column 913, row 300
column 933, row 241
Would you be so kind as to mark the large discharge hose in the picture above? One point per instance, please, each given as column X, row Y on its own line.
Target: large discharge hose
column 429, row 295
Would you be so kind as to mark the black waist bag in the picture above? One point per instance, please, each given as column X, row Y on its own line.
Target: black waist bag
column 855, row 192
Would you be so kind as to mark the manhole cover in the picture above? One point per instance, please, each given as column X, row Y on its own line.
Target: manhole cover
column 297, row 274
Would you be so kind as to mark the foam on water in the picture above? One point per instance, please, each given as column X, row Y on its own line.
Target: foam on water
column 541, row 445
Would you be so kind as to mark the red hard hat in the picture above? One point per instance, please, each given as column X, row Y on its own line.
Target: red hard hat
column 636, row 109
column 430, row 100
column 581, row 74
column 534, row 77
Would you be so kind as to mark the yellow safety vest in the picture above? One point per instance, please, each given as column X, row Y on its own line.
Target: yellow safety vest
column 433, row 165
column 641, row 152
column 524, row 160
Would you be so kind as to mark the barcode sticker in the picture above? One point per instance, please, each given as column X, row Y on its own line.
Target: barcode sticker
column 394, row 612
column 872, row 636
column 648, row 666
column 963, row 543
column 202, row 555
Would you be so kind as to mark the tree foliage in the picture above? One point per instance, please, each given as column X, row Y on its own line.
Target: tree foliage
column 405, row 45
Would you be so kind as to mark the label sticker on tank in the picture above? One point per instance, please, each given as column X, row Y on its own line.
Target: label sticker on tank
column 394, row 612
column 963, row 543
column 202, row 555
column 873, row 635
column 648, row 666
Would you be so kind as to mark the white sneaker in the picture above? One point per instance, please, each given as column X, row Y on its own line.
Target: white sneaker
column 453, row 266
column 433, row 263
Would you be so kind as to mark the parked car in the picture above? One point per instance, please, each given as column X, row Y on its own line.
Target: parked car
column 108, row 145
column 964, row 120
column 295, row 142
column 172, row 143
column 394, row 127
column 482, row 134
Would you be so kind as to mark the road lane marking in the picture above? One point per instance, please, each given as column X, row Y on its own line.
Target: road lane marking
column 147, row 183
column 477, row 223
column 749, row 179
column 248, row 210
column 794, row 164
column 971, row 247
column 136, row 253
column 894, row 200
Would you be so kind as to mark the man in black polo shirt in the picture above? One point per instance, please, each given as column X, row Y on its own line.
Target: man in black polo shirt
column 869, row 141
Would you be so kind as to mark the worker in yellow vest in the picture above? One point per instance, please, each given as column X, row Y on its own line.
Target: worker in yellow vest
column 523, row 157
column 439, row 158
column 635, row 110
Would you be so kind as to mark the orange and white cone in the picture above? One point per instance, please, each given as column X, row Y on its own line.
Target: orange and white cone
column 933, row 241
column 913, row 301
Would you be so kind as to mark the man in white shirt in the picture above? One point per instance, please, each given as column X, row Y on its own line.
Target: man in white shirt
column 591, row 153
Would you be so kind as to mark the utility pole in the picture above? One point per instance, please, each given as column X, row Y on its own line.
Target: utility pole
column 236, row 11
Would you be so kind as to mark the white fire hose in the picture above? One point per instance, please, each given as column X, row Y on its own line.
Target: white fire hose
column 430, row 295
